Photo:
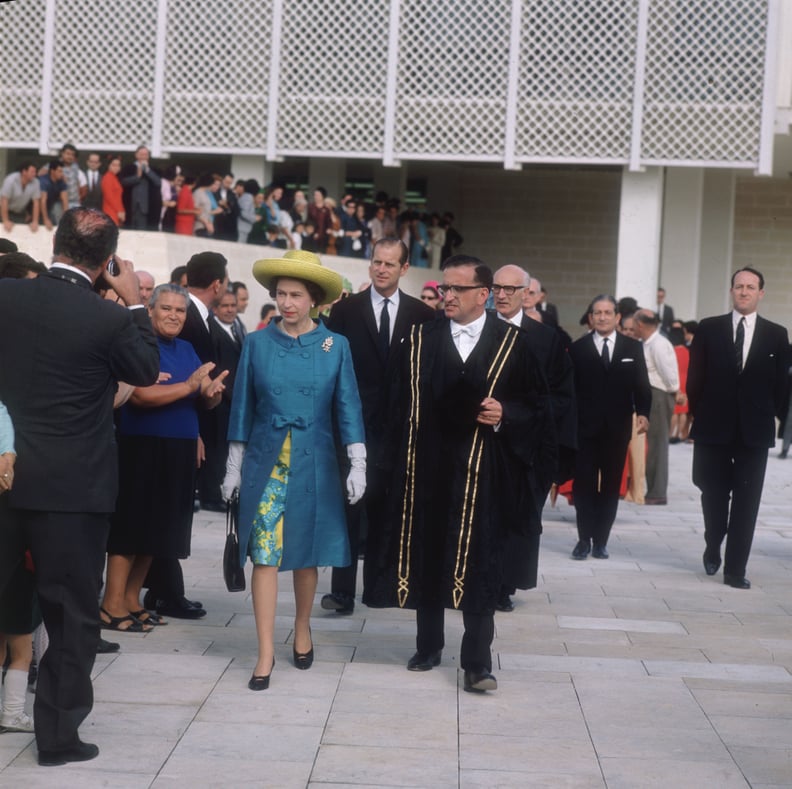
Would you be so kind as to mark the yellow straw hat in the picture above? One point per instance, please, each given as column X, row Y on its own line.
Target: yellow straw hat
column 299, row 264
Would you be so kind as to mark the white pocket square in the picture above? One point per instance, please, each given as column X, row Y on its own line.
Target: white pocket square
column 628, row 360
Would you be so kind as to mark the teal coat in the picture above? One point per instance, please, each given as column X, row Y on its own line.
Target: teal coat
column 299, row 384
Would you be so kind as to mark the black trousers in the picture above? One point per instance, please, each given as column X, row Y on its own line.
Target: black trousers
column 476, row 652
column 165, row 579
column 721, row 473
column 598, row 472
column 68, row 550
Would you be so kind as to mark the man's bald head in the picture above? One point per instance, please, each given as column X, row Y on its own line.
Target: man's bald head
column 146, row 282
column 508, row 286
column 531, row 296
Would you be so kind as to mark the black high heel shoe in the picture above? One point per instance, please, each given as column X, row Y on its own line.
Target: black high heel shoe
column 304, row 660
column 261, row 683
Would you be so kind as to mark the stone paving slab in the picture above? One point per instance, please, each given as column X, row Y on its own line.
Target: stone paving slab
column 638, row 671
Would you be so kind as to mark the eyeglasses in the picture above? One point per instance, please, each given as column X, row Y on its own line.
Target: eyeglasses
column 509, row 290
column 457, row 290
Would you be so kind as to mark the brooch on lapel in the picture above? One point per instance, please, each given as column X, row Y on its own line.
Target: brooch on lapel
column 327, row 344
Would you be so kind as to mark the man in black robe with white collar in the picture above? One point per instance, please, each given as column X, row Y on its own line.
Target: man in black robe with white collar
column 469, row 420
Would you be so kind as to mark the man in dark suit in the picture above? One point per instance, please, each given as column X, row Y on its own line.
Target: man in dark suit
column 359, row 318
column 142, row 192
column 207, row 281
column 611, row 383
column 736, row 386
column 228, row 341
column 522, row 555
column 59, row 378
column 93, row 178
column 665, row 312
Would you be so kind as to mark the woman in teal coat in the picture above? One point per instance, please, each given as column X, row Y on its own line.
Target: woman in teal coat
column 293, row 378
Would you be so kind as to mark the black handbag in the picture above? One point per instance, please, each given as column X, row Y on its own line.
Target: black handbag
column 233, row 572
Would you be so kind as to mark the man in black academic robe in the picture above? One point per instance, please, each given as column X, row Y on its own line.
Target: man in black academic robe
column 468, row 423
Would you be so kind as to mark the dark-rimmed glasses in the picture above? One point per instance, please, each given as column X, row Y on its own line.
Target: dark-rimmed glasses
column 509, row 290
column 457, row 290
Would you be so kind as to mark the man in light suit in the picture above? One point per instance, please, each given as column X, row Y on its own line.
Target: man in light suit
column 736, row 386
column 611, row 383
column 359, row 318
column 522, row 554
column 59, row 379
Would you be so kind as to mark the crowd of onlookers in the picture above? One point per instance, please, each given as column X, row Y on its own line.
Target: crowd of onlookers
column 139, row 196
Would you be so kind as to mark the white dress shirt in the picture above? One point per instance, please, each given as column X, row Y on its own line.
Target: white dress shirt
column 661, row 363
column 515, row 320
column 599, row 340
column 202, row 308
column 750, row 327
column 377, row 303
column 466, row 336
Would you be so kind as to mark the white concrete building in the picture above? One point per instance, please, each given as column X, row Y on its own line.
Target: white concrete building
column 606, row 146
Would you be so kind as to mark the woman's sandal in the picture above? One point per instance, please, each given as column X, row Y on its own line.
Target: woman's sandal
column 135, row 625
column 148, row 617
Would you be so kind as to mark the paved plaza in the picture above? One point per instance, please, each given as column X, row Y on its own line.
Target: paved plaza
column 638, row 671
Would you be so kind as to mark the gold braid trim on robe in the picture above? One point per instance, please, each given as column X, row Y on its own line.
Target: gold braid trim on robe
column 473, row 466
column 408, row 505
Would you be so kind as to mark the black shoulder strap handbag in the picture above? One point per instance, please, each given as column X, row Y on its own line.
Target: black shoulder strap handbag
column 233, row 572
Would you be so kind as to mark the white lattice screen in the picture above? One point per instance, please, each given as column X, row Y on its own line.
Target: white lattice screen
column 638, row 81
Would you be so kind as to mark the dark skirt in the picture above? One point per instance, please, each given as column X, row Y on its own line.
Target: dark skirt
column 154, row 512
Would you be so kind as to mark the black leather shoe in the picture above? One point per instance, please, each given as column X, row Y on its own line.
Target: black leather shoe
column 82, row 752
column 303, row 660
column 261, row 683
column 710, row 567
column 191, row 603
column 179, row 609
column 504, row 604
column 479, row 681
column 581, row 550
column 106, row 647
column 419, row 662
column 600, row 552
column 338, row 602
column 736, row 581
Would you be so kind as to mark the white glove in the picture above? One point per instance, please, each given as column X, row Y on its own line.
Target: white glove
column 233, row 475
column 356, row 481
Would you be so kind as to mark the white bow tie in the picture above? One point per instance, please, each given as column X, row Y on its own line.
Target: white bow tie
column 464, row 330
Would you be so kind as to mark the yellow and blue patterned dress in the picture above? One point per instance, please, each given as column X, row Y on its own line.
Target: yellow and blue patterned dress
column 266, row 538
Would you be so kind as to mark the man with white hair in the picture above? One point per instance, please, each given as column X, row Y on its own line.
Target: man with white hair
column 509, row 286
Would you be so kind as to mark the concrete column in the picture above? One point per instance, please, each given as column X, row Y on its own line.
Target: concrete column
column 329, row 173
column 680, row 258
column 257, row 167
column 717, row 235
column 640, row 217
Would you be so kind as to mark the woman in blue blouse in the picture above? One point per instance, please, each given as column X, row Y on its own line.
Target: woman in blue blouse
column 293, row 378
column 157, row 442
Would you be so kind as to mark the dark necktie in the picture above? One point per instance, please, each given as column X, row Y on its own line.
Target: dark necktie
column 605, row 354
column 384, row 329
column 739, row 340
column 235, row 333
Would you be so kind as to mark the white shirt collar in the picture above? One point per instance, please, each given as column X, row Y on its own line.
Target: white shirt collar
column 73, row 269
column 472, row 329
column 202, row 308
column 377, row 299
column 750, row 320
column 515, row 320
